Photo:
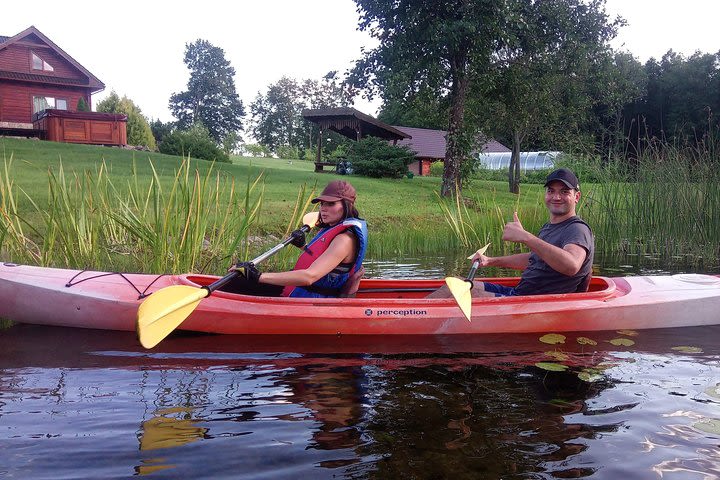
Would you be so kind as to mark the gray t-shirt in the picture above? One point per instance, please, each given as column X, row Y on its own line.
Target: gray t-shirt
column 539, row 278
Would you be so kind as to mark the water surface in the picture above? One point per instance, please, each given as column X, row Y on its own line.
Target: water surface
column 93, row 404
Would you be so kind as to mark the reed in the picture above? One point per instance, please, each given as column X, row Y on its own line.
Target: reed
column 196, row 223
column 670, row 210
column 476, row 220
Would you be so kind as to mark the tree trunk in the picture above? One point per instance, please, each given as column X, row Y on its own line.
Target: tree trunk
column 454, row 152
column 514, row 170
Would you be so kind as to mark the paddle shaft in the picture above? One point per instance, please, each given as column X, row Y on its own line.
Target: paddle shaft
column 259, row 259
column 473, row 269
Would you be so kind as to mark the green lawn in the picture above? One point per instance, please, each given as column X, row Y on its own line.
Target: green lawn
column 403, row 215
column 385, row 203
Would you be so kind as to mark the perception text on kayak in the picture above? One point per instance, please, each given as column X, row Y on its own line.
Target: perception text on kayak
column 402, row 313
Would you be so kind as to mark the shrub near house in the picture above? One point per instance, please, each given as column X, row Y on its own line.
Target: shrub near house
column 195, row 142
column 374, row 157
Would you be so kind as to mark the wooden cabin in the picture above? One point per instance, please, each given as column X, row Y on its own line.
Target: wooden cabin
column 430, row 146
column 39, row 81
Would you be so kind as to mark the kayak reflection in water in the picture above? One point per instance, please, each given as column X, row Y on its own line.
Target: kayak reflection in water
column 561, row 255
column 331, row 263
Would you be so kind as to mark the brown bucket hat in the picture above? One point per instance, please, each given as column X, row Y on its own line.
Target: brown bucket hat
column 337, row 190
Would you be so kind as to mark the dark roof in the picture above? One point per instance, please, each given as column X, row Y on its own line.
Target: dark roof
column 425, row 142
column 31, row 77
column 429, row 143
column 349, row 122
column 493, row 146
column 92, row 81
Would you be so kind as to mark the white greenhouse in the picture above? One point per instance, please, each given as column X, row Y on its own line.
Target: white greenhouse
column 528, row 160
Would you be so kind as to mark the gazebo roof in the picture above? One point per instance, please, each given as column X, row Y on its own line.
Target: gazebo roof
column 352, row 123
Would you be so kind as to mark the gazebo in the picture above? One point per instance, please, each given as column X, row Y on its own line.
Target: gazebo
column 350, row 123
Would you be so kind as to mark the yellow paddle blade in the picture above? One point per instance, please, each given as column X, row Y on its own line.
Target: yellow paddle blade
column 460, row 289
column 163, row 311
column 479, row 252
column 311, row 219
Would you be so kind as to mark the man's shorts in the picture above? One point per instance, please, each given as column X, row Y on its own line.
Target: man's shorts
column 499, row 290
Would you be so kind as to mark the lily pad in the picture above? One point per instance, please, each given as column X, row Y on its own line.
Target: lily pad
column 629, row 333
column 590, row 375
column 553, row 338
column 586, row 341
column 559, row 356
column 625, row 342
column 714, row 391
column 551, row 367
column 709, row 425
column 687, row 349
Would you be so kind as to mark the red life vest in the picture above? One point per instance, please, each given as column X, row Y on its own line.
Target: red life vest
column 316, row 248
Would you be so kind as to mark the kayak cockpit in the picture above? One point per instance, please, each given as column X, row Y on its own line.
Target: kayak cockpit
column 370, row 288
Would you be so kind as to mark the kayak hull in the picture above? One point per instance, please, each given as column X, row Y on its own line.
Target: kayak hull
column 101, row 300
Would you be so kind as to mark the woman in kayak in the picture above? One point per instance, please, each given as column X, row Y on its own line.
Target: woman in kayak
column 331, row 263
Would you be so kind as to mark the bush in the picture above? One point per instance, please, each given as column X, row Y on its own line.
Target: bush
column 82, row 105
column 257, row 150
column 339, row 153
column 374, row 157
column 160, row 130
column 436, row 169
column 138, row 130
column 310, row 154
column 288, row 152
column 195, row 143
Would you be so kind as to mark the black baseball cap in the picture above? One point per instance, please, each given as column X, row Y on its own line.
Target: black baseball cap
column 565, row 176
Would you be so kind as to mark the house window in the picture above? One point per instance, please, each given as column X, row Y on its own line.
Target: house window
column 40, row 64
column 43, row 103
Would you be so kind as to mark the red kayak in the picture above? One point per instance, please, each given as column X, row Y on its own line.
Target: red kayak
column 110, row 301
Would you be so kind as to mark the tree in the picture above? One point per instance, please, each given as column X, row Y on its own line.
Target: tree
column 619, row 87
column 422, row 109
column 540, row 80
column 431, row 45
column 138, row 129
column 277, row 114
column 160, row 130
column 82, row 105
column 210, row 97
column 682, row 94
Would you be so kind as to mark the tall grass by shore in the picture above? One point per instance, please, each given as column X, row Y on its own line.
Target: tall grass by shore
column 197, row 223
column 664, row 205
column 667, row 205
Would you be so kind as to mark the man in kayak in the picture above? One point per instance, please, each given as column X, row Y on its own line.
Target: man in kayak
column 561, row 255
column 331, row 263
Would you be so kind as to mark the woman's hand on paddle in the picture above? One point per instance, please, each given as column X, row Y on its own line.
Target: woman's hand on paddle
column 514, row 231
column 298, row 238
column 247, row 270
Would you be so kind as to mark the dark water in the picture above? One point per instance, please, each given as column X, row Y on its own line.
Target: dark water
column 93, row 404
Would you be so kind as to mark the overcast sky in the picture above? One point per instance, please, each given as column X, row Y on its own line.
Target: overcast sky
column 137, row 48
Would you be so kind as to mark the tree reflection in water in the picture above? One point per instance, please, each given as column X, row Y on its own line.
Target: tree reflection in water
column 436, row 407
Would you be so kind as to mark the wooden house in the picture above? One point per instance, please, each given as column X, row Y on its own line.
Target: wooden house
column 430, row 145
column 40, row 88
